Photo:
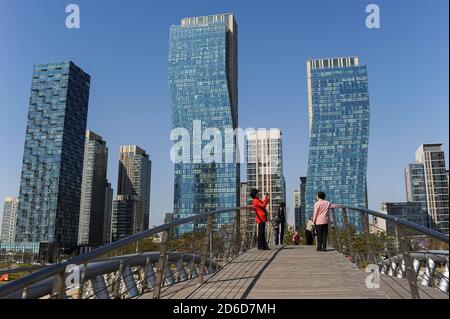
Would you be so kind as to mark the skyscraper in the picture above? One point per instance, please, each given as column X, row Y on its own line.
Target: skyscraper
column 265, row 166
column 203, row 85
column 9, row 219
column 107, row 219
column 415, row 185
column 50, row 187
column 427, row 183
column 297, row 210
column 127, row 218
column 133, row 192
column 93, row 187
column 339, row 118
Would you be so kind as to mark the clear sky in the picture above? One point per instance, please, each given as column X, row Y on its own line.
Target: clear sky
column 123, row 45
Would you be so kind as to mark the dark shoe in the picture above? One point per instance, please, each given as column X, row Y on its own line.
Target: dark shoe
column 318, row 249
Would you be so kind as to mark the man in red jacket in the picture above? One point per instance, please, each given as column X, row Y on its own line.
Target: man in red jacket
column 261, row 217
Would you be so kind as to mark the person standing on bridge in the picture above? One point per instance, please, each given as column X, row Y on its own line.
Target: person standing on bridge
column 280, row 222
column 309, row 232
column 321, row 219
column 261, row 217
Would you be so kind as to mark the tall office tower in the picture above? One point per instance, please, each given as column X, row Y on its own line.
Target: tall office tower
column 128, row 217
column 431, row 156
column 134, row 178
column 408, row 211
column 107, row 219
column 415, row 185
column 297, row 210
column 265, row 166
column 9, row 219
column 339, row 120
column 247, row 217
column 203, row 85
column 92, row 205
column 50, row 187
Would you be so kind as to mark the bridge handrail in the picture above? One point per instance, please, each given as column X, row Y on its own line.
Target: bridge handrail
column 399, row 221
column 52, row 270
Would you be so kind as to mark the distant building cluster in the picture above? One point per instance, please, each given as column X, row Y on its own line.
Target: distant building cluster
column 66, row 202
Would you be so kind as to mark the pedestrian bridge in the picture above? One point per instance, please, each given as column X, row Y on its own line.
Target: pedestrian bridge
column 220, row 262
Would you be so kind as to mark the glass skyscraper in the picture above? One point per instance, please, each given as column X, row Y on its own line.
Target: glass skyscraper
column 339, row 115
column 93, row 188
column 50, row 187
column 203, row 78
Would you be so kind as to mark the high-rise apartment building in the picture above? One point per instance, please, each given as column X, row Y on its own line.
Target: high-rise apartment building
column 427, row 184
column 265, row 166
column 127, row 218
column 50, row 187
column 93, row 187
column 134, row 178
column 297, row 210
column 10, row 207
column 203, row 87
column 339, row 118
column 107, row 219
column 131, row 206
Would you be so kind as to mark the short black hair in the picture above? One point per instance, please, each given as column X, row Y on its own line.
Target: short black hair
column 282, row 204
column 321, row 195
column 254, row 193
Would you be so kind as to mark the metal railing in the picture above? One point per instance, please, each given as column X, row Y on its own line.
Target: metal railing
column 403, row 249
column 137, row 265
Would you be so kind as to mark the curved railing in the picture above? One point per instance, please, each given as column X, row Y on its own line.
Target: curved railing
column 111, row 271
column 402, row 249
column 136, row 265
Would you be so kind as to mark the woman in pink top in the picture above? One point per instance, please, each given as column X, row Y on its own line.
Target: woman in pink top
column 321, row 220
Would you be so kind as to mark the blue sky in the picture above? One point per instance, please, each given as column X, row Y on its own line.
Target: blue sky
column 123, row 45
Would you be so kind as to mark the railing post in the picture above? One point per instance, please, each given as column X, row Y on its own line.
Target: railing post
column 365, row 223
column 349, row 239
column 116, row 292
column 205, row 250
column 409, row 265
column 238, row 238
column 59, row 286
column 82, row 280
column 336, row 229
column 162, row 263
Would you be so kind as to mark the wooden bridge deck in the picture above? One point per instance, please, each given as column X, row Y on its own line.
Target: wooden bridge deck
column 291, row 272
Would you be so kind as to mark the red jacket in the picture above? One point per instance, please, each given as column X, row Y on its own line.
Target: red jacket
column 260, row 209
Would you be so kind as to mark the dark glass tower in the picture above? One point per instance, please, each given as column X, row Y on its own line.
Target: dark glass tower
column 203, row 78
column 338, row 101
column 50, row 186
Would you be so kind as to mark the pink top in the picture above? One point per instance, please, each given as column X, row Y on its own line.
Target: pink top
column 321, row 208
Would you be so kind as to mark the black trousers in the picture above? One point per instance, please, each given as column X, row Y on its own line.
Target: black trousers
column 322, row 236
column 309, row 237
column 279, row 233
column 262, row 243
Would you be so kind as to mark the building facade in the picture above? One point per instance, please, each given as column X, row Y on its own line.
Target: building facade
column 10, row 207
column 339, row 118
column 409, row 211
column 297, row 210
column 427, row 183
column 203, row 87
column 93, row 188
column 128, row 217
column 135, row 177
column 265, row 167
column 107, row 219
column 50, row 187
